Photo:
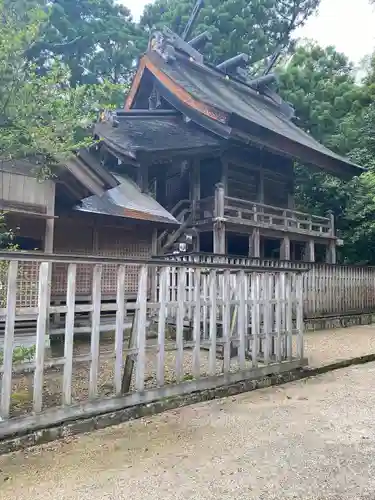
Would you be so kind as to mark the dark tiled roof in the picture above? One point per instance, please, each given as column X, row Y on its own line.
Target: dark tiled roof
column 126, row 200
column 151, row 132
column 238, row 100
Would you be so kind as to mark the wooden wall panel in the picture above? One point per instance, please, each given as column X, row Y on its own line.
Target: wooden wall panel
column 86, row 236
column 23, row 189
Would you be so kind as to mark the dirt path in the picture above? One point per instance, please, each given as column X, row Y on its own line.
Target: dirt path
column 312, row 439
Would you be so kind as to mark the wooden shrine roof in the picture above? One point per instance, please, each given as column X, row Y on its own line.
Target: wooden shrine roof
column 231, row 109
column 126, row 200
column 154, row 133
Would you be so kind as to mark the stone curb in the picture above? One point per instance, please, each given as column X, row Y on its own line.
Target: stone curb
column 105, row 420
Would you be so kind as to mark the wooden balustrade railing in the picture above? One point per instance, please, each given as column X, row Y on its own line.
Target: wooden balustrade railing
column 259, row 214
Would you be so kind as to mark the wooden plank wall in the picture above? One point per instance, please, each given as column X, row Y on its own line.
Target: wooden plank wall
column 104, row 241
column 335, row 290
column 23, row 189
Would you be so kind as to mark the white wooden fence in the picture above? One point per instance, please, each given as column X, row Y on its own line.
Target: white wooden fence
column 233, row 324
column 328, row 289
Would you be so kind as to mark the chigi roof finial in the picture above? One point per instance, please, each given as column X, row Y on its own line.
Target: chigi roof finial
column 169, row 45
column 167, row 41
column 193, row 17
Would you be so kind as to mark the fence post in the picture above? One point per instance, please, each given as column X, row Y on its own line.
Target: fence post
column 241, row 319
column 69, row 334
column 181, row 287
column 141, row 330
column 163, row 290
column 213, row 326
column 43, row 306
column 119, row 335
column 289, row 317
column 197, row 324
column 11, row 301
column 278, row 299
column 226, row 321
column 255, row 316
column 299, row 315
column 267, row 321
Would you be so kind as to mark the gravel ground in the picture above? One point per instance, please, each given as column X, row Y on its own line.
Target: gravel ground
column 326, row 346
column 308, row 440
column 23, row 385
column 321, row 348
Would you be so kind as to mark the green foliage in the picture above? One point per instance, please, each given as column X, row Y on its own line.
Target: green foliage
column 20, row 354
column 42, row 117
column 95, row 39
column 320, row 83
column 340, row 113
column 255, row 28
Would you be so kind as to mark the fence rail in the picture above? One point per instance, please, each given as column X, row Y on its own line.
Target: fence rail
column 199, row 325
column 328, row 289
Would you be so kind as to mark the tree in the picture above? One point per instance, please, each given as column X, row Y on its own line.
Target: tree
column 338, row 112
column 320, row 84
column 96, row 39
column 42, row 117
column 255, row 28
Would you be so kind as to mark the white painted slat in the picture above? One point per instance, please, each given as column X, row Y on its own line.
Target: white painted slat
column 197, row 324
column 43, row 305
column 278, row 298
column 299, row 301
column 289, row 316
column 255, row 317
column 95, row 330
column 119, row 335
column 213, row 324
column 267, row 297
column 190, row 291
column 141, row 330
column 181, row 287
column 241, row 319
column 204, row 308
column 163, row 291
column 69, row 333
column 283, row 332
column 247, row 310
column 11, row 297
column 226, row 321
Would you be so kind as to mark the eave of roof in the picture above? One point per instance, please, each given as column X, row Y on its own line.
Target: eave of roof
column 155, row 134
column 252, row 118
column 127, row 201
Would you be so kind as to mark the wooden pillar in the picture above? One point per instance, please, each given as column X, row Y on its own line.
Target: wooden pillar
column 331, row 252
column 219, row 238
column 331, row 248
column 197, row 242
column 310, row 251
column 254, row 244
column 219, row 224
column 285, row 248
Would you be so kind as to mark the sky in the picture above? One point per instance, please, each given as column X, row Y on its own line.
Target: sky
column 346, row 24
